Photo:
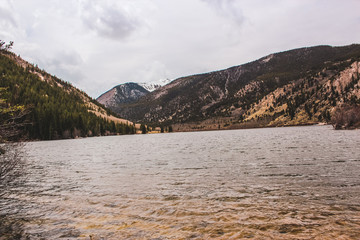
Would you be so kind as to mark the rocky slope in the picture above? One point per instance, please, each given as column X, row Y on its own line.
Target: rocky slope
column 295, row 87
column 123, row 93
column 129, row 92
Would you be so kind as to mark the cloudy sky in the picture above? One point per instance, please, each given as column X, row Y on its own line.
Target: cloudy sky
column 97, row 44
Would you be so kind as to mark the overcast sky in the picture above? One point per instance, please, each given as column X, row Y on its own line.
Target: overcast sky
column 97, row 44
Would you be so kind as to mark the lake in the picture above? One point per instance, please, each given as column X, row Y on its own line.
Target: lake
column 273, row 183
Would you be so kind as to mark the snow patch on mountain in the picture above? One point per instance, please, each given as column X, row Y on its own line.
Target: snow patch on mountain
column 154, row 85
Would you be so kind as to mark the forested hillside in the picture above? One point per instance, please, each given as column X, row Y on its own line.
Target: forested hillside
column 56, row 109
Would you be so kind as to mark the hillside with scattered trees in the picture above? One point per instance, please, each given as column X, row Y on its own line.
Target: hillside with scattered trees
column 53, row 109
column 297, row 87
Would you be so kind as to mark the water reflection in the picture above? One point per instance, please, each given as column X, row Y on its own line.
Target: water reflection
column 264, row 184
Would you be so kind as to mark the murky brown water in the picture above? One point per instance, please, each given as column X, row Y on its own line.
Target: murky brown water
column 277, row 183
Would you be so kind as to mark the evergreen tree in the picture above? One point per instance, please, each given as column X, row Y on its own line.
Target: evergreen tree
column 143, row 129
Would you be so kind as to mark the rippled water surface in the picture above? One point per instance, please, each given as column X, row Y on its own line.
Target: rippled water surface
column 275, row 183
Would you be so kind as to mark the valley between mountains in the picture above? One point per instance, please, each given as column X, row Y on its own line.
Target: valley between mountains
column 298, row 87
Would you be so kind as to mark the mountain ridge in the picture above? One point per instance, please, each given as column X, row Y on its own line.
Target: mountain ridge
column 128, row 92
column 229, row 96
column 122, row 93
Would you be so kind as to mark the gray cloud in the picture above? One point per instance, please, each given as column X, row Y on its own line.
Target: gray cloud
column 229, row 9
column 9, row 24
column 66, row 58
column 6, row 18
column 67, row 65
column 109, row 20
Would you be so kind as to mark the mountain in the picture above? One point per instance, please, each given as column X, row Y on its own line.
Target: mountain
column 300, row 86
column 129, row 92
column 123, row 93
column 49, row 107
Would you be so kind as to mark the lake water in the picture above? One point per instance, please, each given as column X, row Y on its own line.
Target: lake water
column 274, row 183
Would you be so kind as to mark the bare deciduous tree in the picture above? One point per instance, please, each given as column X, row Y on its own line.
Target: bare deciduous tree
column 346, row 117
column 12, row 122
column 11, row 167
